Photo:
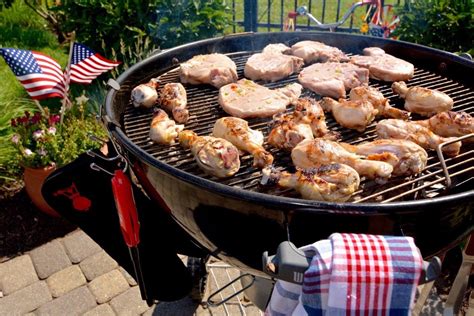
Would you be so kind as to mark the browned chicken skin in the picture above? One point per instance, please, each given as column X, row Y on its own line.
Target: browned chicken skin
column 378, row 101
column 331, row 183
column 145, row 94
column 164, row 130
column 317, row 152
column 174, row 99
column 405, row 156
column 450, row 124
column 421, row 100
column 238, row 132
column 215, row 156
column 350, row 114
column 398, row 129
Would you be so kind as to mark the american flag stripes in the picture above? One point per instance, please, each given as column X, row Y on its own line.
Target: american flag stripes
column 87, row 65
column 41, row 75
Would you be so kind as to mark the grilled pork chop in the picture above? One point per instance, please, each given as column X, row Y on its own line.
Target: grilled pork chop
column 246, row 98
column 312, row 51
column 383, row 66
column 333, row 79
column 271, row 64
column 214, row 69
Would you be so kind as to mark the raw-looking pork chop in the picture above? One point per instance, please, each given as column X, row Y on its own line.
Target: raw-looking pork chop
column 383, row 66
column 312, row 51
column 333, row 79
column 271, row 64
column 249, row 99
column 214, row 69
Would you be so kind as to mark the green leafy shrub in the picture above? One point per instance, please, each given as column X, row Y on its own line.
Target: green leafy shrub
column 443, row 24
column 182, row 21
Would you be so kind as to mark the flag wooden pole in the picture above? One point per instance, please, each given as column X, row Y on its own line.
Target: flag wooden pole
column 39, row 106
column 66, row 94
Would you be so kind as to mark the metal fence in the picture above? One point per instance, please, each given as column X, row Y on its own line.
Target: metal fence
column 271, row 15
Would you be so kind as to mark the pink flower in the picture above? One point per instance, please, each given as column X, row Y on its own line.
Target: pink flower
column 52, row 130
column 38, row 134
column 15, row 139
column 53, row 119
column 28, row 152
column 36, row 118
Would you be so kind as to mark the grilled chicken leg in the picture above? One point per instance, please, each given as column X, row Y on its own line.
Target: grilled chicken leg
column 163, row 129
column 417, row 133
column 173, row 98
column 450, row 124
column 317, row 152
column 405, row 156
column 307, row 121
column 350, row 114
column 145, row 94
column 215, row 156
column 238, row 132
column 421, row 100
column 331, row 183
column 378, row 101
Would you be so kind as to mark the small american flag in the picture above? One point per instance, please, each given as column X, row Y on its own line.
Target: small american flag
column 87, row 65
column 41, row 75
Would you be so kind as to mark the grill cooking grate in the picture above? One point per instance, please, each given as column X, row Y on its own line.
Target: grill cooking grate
column 205, row 110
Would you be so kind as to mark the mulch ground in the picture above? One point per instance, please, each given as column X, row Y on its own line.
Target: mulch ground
column 23, row 227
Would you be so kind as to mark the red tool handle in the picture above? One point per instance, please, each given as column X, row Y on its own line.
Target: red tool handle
column 126, row 208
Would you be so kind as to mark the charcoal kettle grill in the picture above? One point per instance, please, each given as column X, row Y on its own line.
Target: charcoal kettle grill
column 236, row 219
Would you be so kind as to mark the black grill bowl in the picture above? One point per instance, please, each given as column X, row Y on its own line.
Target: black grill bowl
column 238, row 224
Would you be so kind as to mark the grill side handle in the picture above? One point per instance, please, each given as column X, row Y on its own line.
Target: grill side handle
column 290, row 263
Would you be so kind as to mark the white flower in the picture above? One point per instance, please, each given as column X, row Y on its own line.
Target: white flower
column 15, row 139
column 38, row 134
column 28, row 152
column 42, row 152
column 82, row 100
column 52, row 130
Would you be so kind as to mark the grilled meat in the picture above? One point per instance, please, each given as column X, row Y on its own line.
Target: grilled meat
column 145, row 94
column 214, row 69
column 163, row 129
column 398, row 129
column 331, row 183
column 276, row 48
column 249, row 99
column 215, row 156
column 317, row 152
column 379, row 102
column 312, row 51
column 238, row 132
column 271, row 66
column 421, row 100
column 383, row 66
column 405, row 156
column 450, row 124
column 173, row 98
column 333, row 79
column 350, row 114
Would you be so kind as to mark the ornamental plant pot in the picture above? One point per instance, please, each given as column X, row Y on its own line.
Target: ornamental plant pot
column 34, row 179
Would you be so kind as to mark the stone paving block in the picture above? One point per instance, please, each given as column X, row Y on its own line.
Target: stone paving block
column 101, row 310
column 184, row 306
column 75, row 302
column 80, row 246
column 65, row 280
column 25, row 300
column 129, row 302
column 16, row 273
column 128, row 277
column 97, row 264
column 108, row 286
column 49, row 258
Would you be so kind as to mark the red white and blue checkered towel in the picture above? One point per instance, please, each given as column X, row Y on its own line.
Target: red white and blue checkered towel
column 353, row 274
